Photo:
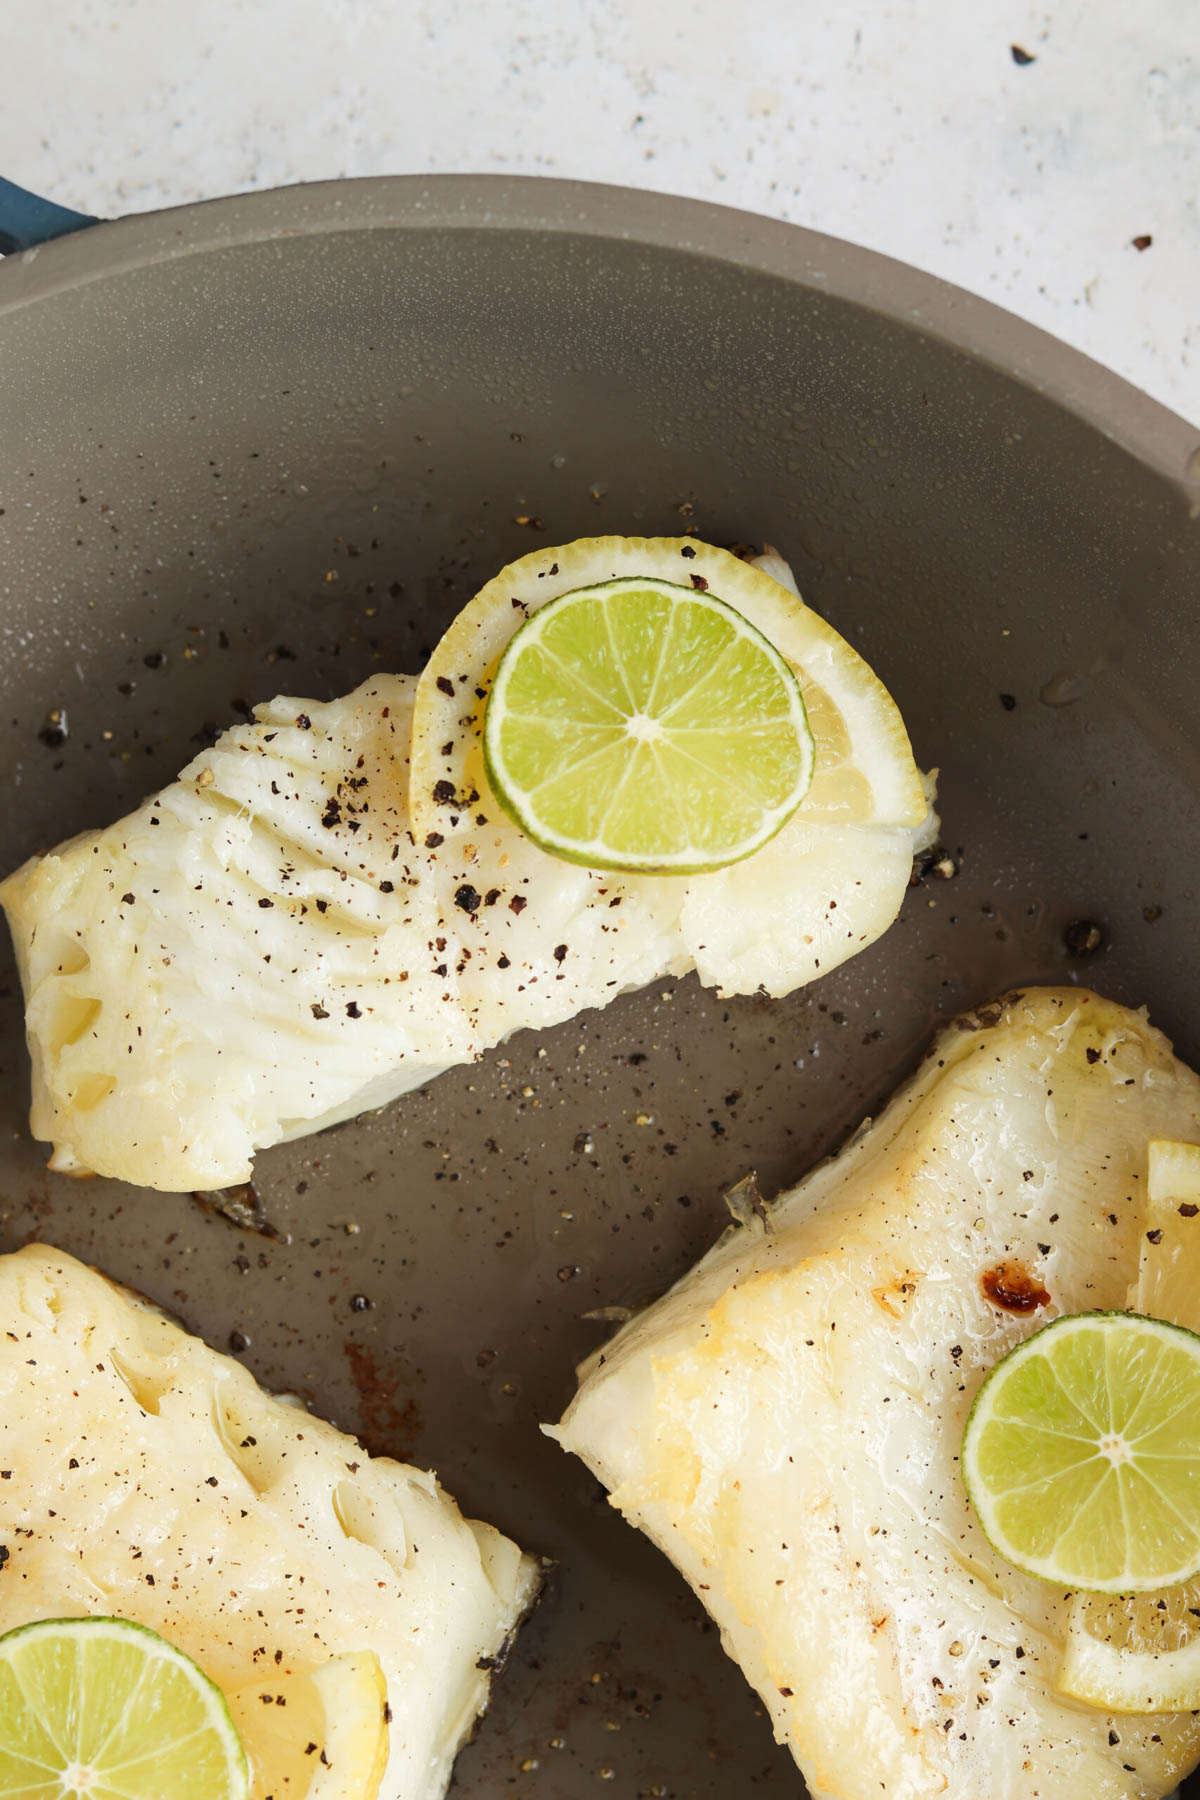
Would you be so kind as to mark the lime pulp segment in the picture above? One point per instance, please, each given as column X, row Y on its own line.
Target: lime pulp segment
column 1082, row 1453
column 109, row 1710
column 637, row 724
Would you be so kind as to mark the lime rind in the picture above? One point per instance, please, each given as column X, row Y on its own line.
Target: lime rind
column 728, row 755
column 41, row 1701
column 1049, row 1497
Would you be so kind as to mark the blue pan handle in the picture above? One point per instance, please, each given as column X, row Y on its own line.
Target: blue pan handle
column 27, row 220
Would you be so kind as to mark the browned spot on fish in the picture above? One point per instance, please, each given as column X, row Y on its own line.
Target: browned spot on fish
column 1014, row 1288
column 389, row 1427
column 894, row 1295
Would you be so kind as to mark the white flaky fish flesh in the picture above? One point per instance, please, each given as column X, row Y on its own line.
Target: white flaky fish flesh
column 786, row 1422
column 262, row 949
column 149, row 1478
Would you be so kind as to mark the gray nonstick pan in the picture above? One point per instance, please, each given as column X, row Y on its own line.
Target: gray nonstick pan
column 273, row 443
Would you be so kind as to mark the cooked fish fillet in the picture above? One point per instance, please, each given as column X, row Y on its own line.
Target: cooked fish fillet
column 262, row 950
column 254, row 953
column 147, row 1477
column 786, row 1423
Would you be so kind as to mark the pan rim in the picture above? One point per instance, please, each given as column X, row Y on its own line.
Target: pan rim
column 936, row 309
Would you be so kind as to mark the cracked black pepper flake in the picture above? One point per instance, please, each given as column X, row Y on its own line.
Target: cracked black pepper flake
column 54, row 732
column 1143, row 241
column 238, row 1341
column 387, row 887
column 352, row 1011
column 359, row 1303
column 303, row 722
column 688, row 551
column 1188, row 1209
column 936, row 861
column 154, row 659
column 434, row 840
column 128, row 899
column 491, row 897
column 1008, row 702
column 445, row 686
column 1021, row 57
column 468, row 898
column 700, row 583
column 560, row 953
column 1154, row 1237
column 502, row 962
column 1093, row 1055
column 264, row 902
column 318, row 1011
column 443, row 793
column 1083, row 937
column 518, row 903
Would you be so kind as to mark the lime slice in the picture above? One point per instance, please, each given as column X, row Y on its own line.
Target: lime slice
column 1141, row 1653
column 639, row 724
column 1082, row 1454
column 864, row 771
column 317, row 1735
column 108, row 1710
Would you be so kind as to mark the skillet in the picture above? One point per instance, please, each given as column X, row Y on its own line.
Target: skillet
column 274, row 442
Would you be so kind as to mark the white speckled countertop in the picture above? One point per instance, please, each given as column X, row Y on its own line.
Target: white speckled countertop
column 1047, row 156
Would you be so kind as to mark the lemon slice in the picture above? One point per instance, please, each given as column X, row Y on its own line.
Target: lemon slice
column 863, row 769
column 316, row 1736
column 106, row 1709
column 643, row 725
column 1168, row 1284
column 1082, row 1454
column 1141, row 1654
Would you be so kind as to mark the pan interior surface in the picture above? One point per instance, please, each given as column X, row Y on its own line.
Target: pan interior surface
column 286, row 462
